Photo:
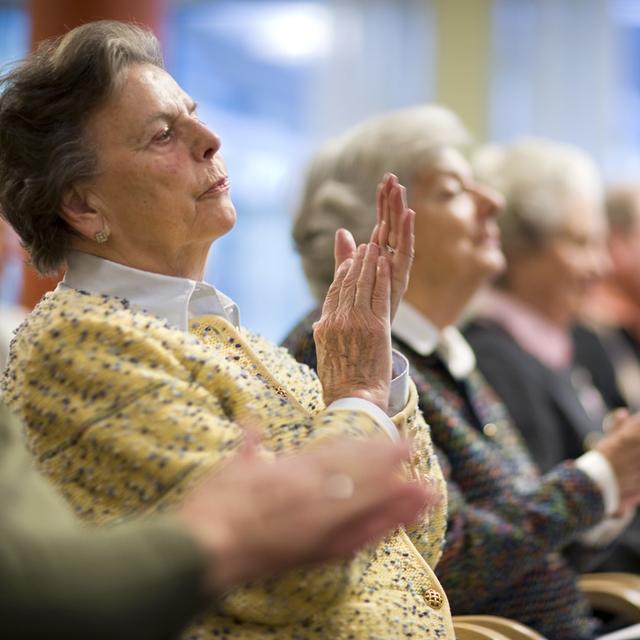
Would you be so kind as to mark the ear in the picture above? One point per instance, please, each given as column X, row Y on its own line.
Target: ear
column 80, row 214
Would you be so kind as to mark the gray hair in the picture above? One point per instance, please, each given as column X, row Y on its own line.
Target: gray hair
column 340, row 187
column 44, row 106
column 536, row 176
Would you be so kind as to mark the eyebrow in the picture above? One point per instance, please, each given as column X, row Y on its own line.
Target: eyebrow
column 192, row 107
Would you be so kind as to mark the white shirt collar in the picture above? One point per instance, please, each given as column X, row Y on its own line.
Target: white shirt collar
column 177, row 300
column 415, row 330
column 419, row 333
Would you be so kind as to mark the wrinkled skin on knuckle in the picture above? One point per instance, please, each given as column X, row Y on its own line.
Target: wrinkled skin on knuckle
column 378, row 298
column 353, row 355
column 319, row 331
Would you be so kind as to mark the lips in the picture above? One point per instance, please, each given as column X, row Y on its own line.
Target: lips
column 219, row 186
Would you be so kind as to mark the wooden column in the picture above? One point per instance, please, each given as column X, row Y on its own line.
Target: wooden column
column 463, row 60
column 50, row 18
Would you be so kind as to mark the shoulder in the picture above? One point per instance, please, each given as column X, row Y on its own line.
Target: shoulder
column 68, row 308
column 67, row 312
column 299, row 341
column 589, row 347
column 69, row 328
column 485, row 334
column 495, row 347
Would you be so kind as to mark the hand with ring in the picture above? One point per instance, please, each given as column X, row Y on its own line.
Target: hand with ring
column 393, row 233
column 353, row 334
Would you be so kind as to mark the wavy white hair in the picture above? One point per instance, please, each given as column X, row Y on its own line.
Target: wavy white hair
column 536, row 177
column 340, row 187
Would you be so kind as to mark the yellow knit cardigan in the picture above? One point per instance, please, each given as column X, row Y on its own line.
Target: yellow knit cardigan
column 123, row 412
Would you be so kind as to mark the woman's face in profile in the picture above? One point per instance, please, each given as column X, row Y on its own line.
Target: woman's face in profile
column 572, row 259
column 457, row 237
column 162, row 185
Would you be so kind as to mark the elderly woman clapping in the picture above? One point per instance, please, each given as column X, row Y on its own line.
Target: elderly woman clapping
column 105, row 165
column 508, row 525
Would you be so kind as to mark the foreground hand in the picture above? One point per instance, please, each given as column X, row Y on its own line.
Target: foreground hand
column 353, row 335
column 394, row 233
column 621, row 447
column 257, row 518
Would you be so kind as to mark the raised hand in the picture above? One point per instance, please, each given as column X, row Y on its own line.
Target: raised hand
column 394, row 232
column 353, row 335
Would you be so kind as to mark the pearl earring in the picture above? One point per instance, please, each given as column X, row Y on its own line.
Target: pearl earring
column 101, row 236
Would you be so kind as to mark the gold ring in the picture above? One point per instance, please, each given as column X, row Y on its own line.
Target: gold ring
column 390, row 249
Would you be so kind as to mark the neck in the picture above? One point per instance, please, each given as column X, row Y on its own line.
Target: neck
column 441, row 303
column 189, row 263
column 543, row 306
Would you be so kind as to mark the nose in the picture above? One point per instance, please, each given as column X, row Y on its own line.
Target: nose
column 489, row 202
column 205, row 143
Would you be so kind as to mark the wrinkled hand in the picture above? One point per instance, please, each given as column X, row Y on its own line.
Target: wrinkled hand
column 394, row 228
column 353, row 335
column 258, row 517
column 621, row 447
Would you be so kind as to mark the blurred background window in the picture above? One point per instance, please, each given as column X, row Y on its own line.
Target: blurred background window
column 569, row 70
column 622, row 157
column 14, row 31
column 274, row 79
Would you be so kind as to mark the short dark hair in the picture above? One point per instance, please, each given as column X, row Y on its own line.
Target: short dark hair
column 44, row 106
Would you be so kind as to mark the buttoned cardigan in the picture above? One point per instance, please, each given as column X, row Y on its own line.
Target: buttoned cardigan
column 123, row 412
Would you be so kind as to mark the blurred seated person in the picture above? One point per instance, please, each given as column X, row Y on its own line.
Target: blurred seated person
column 508, row 525
column 612, row 309
column 146, row 580
column 553, row 232
column 134, row 377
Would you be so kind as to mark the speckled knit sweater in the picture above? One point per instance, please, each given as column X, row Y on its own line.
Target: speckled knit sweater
column 124, row 411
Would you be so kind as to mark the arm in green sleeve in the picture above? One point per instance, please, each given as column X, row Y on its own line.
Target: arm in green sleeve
column 58, row 580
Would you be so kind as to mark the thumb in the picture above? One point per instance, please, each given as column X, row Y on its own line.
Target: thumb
column 344, row 247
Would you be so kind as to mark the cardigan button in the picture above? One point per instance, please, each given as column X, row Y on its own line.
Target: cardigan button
column 433, row 598
column 490, row 429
